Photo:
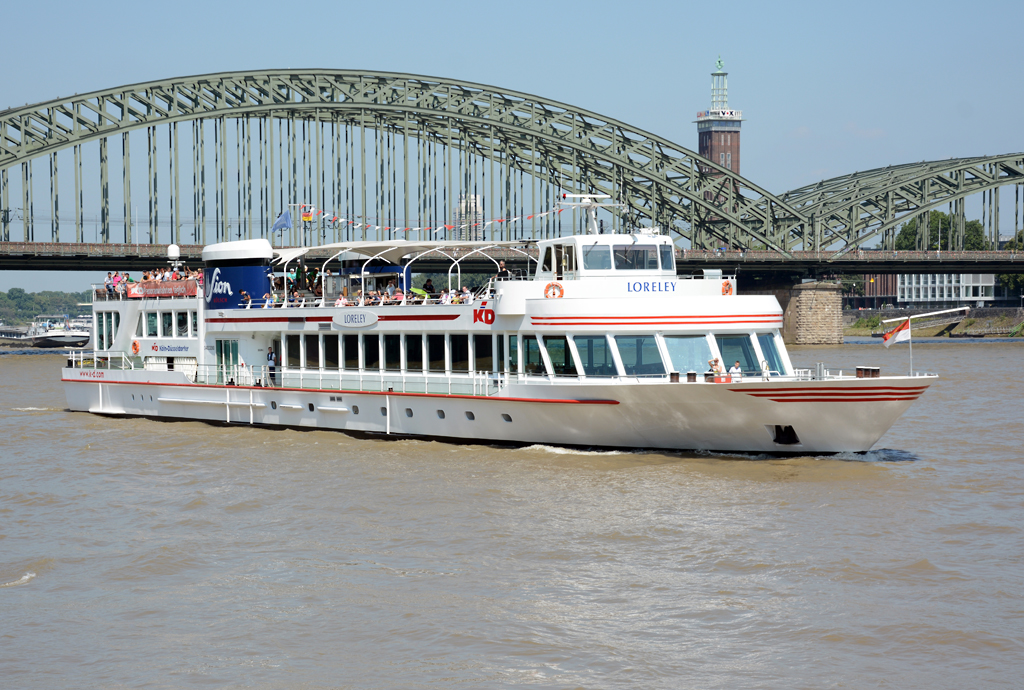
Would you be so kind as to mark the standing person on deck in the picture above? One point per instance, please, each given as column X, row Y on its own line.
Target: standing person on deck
column 271, row 364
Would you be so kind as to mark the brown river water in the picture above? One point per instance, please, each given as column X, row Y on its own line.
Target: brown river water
column 137, row 553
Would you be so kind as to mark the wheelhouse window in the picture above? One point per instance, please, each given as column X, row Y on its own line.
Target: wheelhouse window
column 560, row 355
column 152, row 325
column 688, row 352
column 533, row 362
column 545, row 264
column 597, row 257
column 636, row 257
column 640, row 356
column 667, row 257
column 738, row 347
column 771, row 352
column 167, row 324
column 181, row 319
column 595, row 355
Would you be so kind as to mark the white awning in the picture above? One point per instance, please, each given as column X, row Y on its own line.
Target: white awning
column 392, row 251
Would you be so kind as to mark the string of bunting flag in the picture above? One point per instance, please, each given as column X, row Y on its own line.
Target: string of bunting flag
column 310, row 213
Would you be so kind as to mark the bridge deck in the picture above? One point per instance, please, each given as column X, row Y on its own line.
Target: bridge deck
column 65, row 256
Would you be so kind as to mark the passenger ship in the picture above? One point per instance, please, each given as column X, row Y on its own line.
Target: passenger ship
column 599, row 344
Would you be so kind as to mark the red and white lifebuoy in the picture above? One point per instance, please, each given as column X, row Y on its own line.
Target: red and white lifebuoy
column 553, row 290
column 135, row 347
column 726, row 287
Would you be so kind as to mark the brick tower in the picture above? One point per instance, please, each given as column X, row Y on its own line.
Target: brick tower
column 718, row 129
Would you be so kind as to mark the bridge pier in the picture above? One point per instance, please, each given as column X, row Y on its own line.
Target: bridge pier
column 812, row 312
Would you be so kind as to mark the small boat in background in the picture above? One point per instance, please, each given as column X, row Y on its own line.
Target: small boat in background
column 57, row 330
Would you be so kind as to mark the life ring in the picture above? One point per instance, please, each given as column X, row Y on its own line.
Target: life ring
column 553, row 290
column 135, row 347
column 726, row 287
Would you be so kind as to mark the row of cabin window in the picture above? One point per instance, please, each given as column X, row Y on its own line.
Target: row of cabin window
column 595, row 355
column 167, row 324
column 601, row 257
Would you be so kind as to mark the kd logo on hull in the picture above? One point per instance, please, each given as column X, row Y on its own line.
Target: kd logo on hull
column 485, row 315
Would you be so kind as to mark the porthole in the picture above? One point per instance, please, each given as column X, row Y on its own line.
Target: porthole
column 440, row 414
column 383, row 412
column 470, row 416
column 273, row 405
column 408, row 412
column 151, row 398
column 355, row 409
column 310, row 407
column 506, row 417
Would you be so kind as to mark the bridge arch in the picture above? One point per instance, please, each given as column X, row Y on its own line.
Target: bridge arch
column 574, row 150
column 852, row 209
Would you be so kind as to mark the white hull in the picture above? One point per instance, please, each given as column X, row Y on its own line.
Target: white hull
column 679, row 416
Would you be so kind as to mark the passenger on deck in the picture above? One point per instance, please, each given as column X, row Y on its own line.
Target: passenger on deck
column 428, row 287
column 295, row 300
column 268, row 300
column 341, row 301
column 736, row 371
column 715, row 366
column 503, row 273
column 445, row 297
column 246, row 299
column 391, row 288
column 466, row 296
column 108, row 283
column 398, row 297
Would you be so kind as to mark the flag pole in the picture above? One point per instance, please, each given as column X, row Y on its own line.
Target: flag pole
column 910, row 340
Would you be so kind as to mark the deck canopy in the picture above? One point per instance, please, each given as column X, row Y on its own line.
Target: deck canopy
column 392, row 251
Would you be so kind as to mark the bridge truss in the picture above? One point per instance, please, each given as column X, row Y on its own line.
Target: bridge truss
column 396, row 153
column 847, row 212
column 432, row 142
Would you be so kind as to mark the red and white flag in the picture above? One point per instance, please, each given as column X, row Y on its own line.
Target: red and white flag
column 898, row 334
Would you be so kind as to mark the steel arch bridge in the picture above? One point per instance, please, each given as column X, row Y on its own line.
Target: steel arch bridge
column 570, row 149
column 852, row 209
column 560, row 148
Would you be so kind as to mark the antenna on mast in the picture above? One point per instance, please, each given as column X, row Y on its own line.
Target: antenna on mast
column 591, row 204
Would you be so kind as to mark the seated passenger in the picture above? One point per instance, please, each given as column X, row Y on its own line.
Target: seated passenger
column 428, row 287
column 268, row 300
column 445, row 297
column 466, row 296
column 341, row 301
column 398, row 297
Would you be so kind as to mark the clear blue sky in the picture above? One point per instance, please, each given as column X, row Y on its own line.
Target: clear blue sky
column 826, row 88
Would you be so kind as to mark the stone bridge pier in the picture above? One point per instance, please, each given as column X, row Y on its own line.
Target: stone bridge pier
column 812, row 312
